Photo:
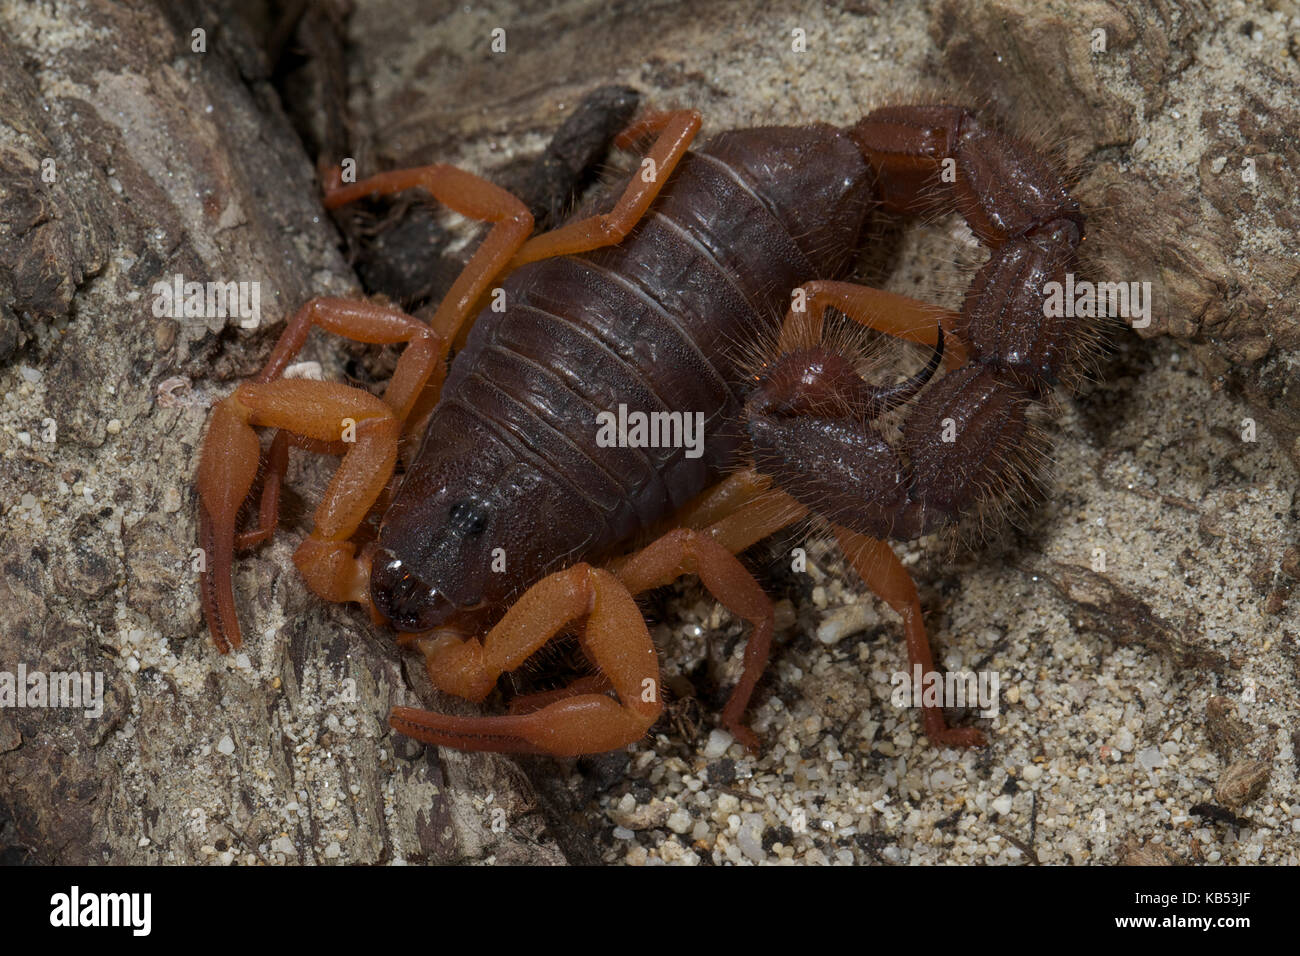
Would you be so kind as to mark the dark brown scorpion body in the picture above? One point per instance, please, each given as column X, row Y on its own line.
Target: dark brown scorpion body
column 649, row 324
column 510, row 485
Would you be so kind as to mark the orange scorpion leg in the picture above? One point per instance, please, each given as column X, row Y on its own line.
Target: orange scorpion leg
column 880, row 568
column 895, row 315
column 727, row 496
column 675, row 131
column 314, row 411
column 697, row 552
column 277, row 462
column 591, row 684
column 470, row 196
column 734, row 515
column 742, row 510
column 318, row 411
column 614, row 639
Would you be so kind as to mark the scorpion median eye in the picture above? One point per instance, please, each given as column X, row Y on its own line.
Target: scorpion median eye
column 467, row 518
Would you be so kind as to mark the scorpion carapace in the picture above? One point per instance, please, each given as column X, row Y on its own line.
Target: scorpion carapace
column 514, row 517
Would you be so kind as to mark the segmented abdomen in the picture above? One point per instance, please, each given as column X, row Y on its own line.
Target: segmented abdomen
column 654, row 323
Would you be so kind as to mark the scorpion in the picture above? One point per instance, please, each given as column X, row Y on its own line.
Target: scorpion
column 511, row 526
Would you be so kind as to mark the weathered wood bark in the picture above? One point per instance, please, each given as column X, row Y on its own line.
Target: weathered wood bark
column 166, row 161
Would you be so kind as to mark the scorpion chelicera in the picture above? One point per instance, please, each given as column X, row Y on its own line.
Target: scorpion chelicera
column 512, row 522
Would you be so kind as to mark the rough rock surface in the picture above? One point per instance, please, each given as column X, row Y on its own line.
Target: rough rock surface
column 169, row 161
column 1143, row 623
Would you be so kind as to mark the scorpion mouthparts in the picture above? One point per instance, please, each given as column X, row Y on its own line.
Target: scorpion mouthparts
column 406, row 601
